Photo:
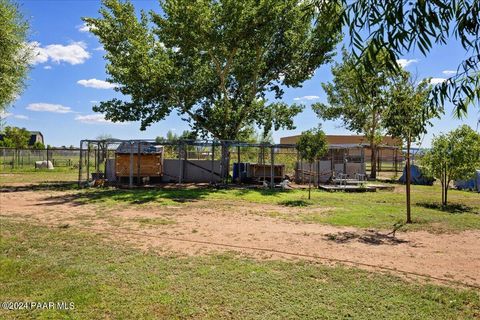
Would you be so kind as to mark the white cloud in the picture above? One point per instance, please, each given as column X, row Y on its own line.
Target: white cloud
column 93, row 101
column 48, row 107
column 94, row 119
column 47, row 67
column 74, row 53
column 406, row 62
column 97, row 84
column 99, row 48
column 437, row 80
column 449, row 72
column 4, row 115
column 20, row 116
column 309, row 98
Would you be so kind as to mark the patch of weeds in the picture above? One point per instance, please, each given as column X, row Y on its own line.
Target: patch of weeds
column 154, row 221
column 295, row 203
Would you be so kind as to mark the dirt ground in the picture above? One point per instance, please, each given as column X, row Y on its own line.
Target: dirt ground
column 201, row 227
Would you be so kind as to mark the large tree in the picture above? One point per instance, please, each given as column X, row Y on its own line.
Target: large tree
column 400, row 26
column 359, row 99
column 14, row 53
column 453, row 156
column 213, row 61
column 408, row 117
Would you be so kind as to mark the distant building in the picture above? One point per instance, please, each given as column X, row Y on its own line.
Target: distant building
column 35, row 136
column 347, row 140
column 389, row 155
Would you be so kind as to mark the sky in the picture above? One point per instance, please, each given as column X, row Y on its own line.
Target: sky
column 68, row 78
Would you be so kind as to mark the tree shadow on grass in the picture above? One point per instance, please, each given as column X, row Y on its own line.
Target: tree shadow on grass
column 45, row 186
column 129, row 196
column 259, row 190
column 455, row 208
column 295, row 203
column 370, row 237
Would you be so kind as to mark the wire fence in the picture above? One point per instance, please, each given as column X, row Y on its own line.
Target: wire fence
column 139, row 162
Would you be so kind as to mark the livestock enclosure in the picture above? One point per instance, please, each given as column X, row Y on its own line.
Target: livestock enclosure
column 140, row 162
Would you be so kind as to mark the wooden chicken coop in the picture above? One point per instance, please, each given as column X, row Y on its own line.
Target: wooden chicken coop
column 139, row 159
column 262, row 172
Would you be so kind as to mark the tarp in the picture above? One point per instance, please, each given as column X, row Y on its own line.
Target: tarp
column 416, row 176
column 471, row 184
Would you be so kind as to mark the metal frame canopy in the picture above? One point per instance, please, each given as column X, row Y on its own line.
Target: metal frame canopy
column 99, row 147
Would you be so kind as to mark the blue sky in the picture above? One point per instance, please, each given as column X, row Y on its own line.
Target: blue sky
column 68, row 78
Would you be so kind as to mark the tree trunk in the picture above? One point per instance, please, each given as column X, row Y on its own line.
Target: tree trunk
column 443, row 189
column 407, row 185
column 224, row 162
column 373, row 161
column 309, row 181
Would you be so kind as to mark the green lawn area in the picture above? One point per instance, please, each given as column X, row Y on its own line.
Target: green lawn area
column 364, row 210
column 105, row 279
column 32, row 175
column 378, row 210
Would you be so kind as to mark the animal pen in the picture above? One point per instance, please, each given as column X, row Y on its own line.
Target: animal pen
column 148, row 162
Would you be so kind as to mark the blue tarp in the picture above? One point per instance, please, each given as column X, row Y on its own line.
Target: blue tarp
column 471, row 184
column 416, row 176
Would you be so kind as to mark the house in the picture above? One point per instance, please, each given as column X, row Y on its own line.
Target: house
column 35, row 136
column 389, row 155
column 346, row 139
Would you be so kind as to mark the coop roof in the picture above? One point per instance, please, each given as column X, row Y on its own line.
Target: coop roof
column 145, row 147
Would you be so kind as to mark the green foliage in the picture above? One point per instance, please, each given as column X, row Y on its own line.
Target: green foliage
column 14, row 137
column 38, row 145
column 400, row 26
column 357, row 96
column 14, row 53
column 173, row 137
column 312, row 144
column 409, row 114
column 453, row 156
column 213, row 62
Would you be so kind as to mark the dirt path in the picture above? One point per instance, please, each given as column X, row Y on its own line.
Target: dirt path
column 201, row 227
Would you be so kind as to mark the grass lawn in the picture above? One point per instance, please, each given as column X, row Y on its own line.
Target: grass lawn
column 105, row 279
column 378, row 210
column 32, row 175
column 364, row 210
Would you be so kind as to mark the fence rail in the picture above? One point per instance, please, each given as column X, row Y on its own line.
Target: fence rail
column 11, row 158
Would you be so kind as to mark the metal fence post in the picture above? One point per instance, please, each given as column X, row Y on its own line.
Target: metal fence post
column 130, row 175
column 272, row 163
column 213, row 162
column 181, row 162
column 138, row 162
column 80, row 164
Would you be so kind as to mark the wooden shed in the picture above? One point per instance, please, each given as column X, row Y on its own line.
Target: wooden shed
column 147, row 160
column 263, row 171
